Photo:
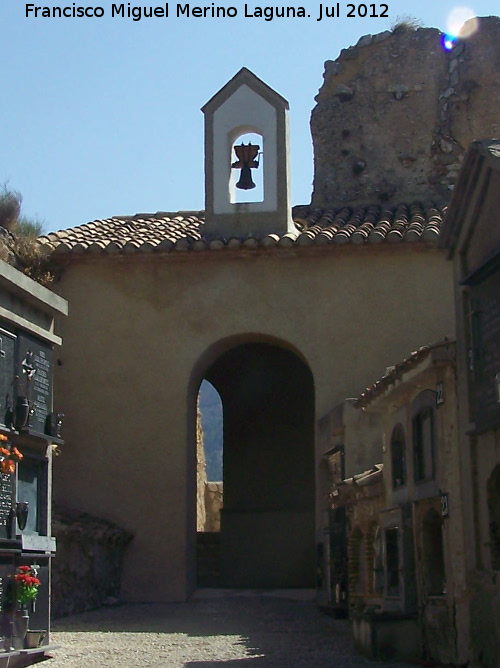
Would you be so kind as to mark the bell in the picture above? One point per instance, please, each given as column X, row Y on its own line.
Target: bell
column 245, row 182
column 246, row 162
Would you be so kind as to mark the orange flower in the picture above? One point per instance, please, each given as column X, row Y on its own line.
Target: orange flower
column 3, row 437
column 5, row 452
column 8, row 466
column 17, row 454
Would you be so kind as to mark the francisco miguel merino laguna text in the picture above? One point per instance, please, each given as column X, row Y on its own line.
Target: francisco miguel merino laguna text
column 136, row 13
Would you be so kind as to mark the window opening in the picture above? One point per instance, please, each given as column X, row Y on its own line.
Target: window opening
column 209, row 458
column 378, row 561
column 398, row 455
column 423, row 445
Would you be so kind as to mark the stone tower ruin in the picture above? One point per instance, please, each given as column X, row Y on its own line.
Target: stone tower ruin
column 396, row 113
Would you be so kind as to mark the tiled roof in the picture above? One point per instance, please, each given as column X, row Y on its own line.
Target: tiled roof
column 369, row 224
column 444, row 350
column 369, row 477
column 364, row 485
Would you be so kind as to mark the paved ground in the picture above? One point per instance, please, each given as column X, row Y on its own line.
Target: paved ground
column 219, row 629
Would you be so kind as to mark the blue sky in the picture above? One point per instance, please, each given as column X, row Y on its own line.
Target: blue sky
column 101, row 116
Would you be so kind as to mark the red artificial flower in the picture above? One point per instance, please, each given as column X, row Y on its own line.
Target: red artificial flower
column 26, row 584
column 17, row 454
column 8, row 466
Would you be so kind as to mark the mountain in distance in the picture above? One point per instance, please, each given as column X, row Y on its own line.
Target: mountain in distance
column 211, row 423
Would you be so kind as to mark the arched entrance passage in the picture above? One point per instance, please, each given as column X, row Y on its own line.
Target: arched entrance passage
column 267, row 523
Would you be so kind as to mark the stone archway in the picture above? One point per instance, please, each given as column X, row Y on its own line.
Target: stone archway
column 267, row 523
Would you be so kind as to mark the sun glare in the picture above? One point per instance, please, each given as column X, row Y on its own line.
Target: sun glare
column 462, row 22
column 449, row 42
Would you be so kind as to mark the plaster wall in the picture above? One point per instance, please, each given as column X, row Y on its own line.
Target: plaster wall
column 363, row 440
column 142, row 332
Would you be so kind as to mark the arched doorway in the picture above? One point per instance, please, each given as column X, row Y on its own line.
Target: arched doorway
column 267, row 521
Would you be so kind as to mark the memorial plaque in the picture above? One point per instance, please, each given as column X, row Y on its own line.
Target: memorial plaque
column 7, row 490
column 34, row 364
column 7, row 372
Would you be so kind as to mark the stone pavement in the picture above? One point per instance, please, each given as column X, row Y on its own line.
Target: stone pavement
column 223, row 629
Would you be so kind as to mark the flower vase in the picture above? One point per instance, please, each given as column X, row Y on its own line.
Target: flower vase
column 34, row 638
column 21, row 625
column 22, row 413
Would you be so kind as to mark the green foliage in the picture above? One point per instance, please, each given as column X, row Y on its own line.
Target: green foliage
column 406, row 22
column 24, row 227
column 10, row 207
column 19, row 244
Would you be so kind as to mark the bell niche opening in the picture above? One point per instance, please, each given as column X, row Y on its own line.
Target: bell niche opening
column 246, row 145
column 246, row 182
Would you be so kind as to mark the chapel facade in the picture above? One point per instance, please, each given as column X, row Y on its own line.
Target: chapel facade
column 285, row 310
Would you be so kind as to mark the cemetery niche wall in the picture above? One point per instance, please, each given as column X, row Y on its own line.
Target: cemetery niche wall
column 472, row 237
column 29, row 431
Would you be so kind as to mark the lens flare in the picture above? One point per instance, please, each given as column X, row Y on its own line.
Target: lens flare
column 461, row 22
column 449, row 41
column 470, row 27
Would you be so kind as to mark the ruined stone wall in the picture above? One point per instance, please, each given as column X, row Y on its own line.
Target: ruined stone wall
column 87, row 567
column 201, row 474
column 397, row 111
column 213, row 505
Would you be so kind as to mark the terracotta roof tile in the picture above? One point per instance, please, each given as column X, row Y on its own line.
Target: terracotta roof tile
column 394, row 373
column 364, row 485
column 183, row 231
